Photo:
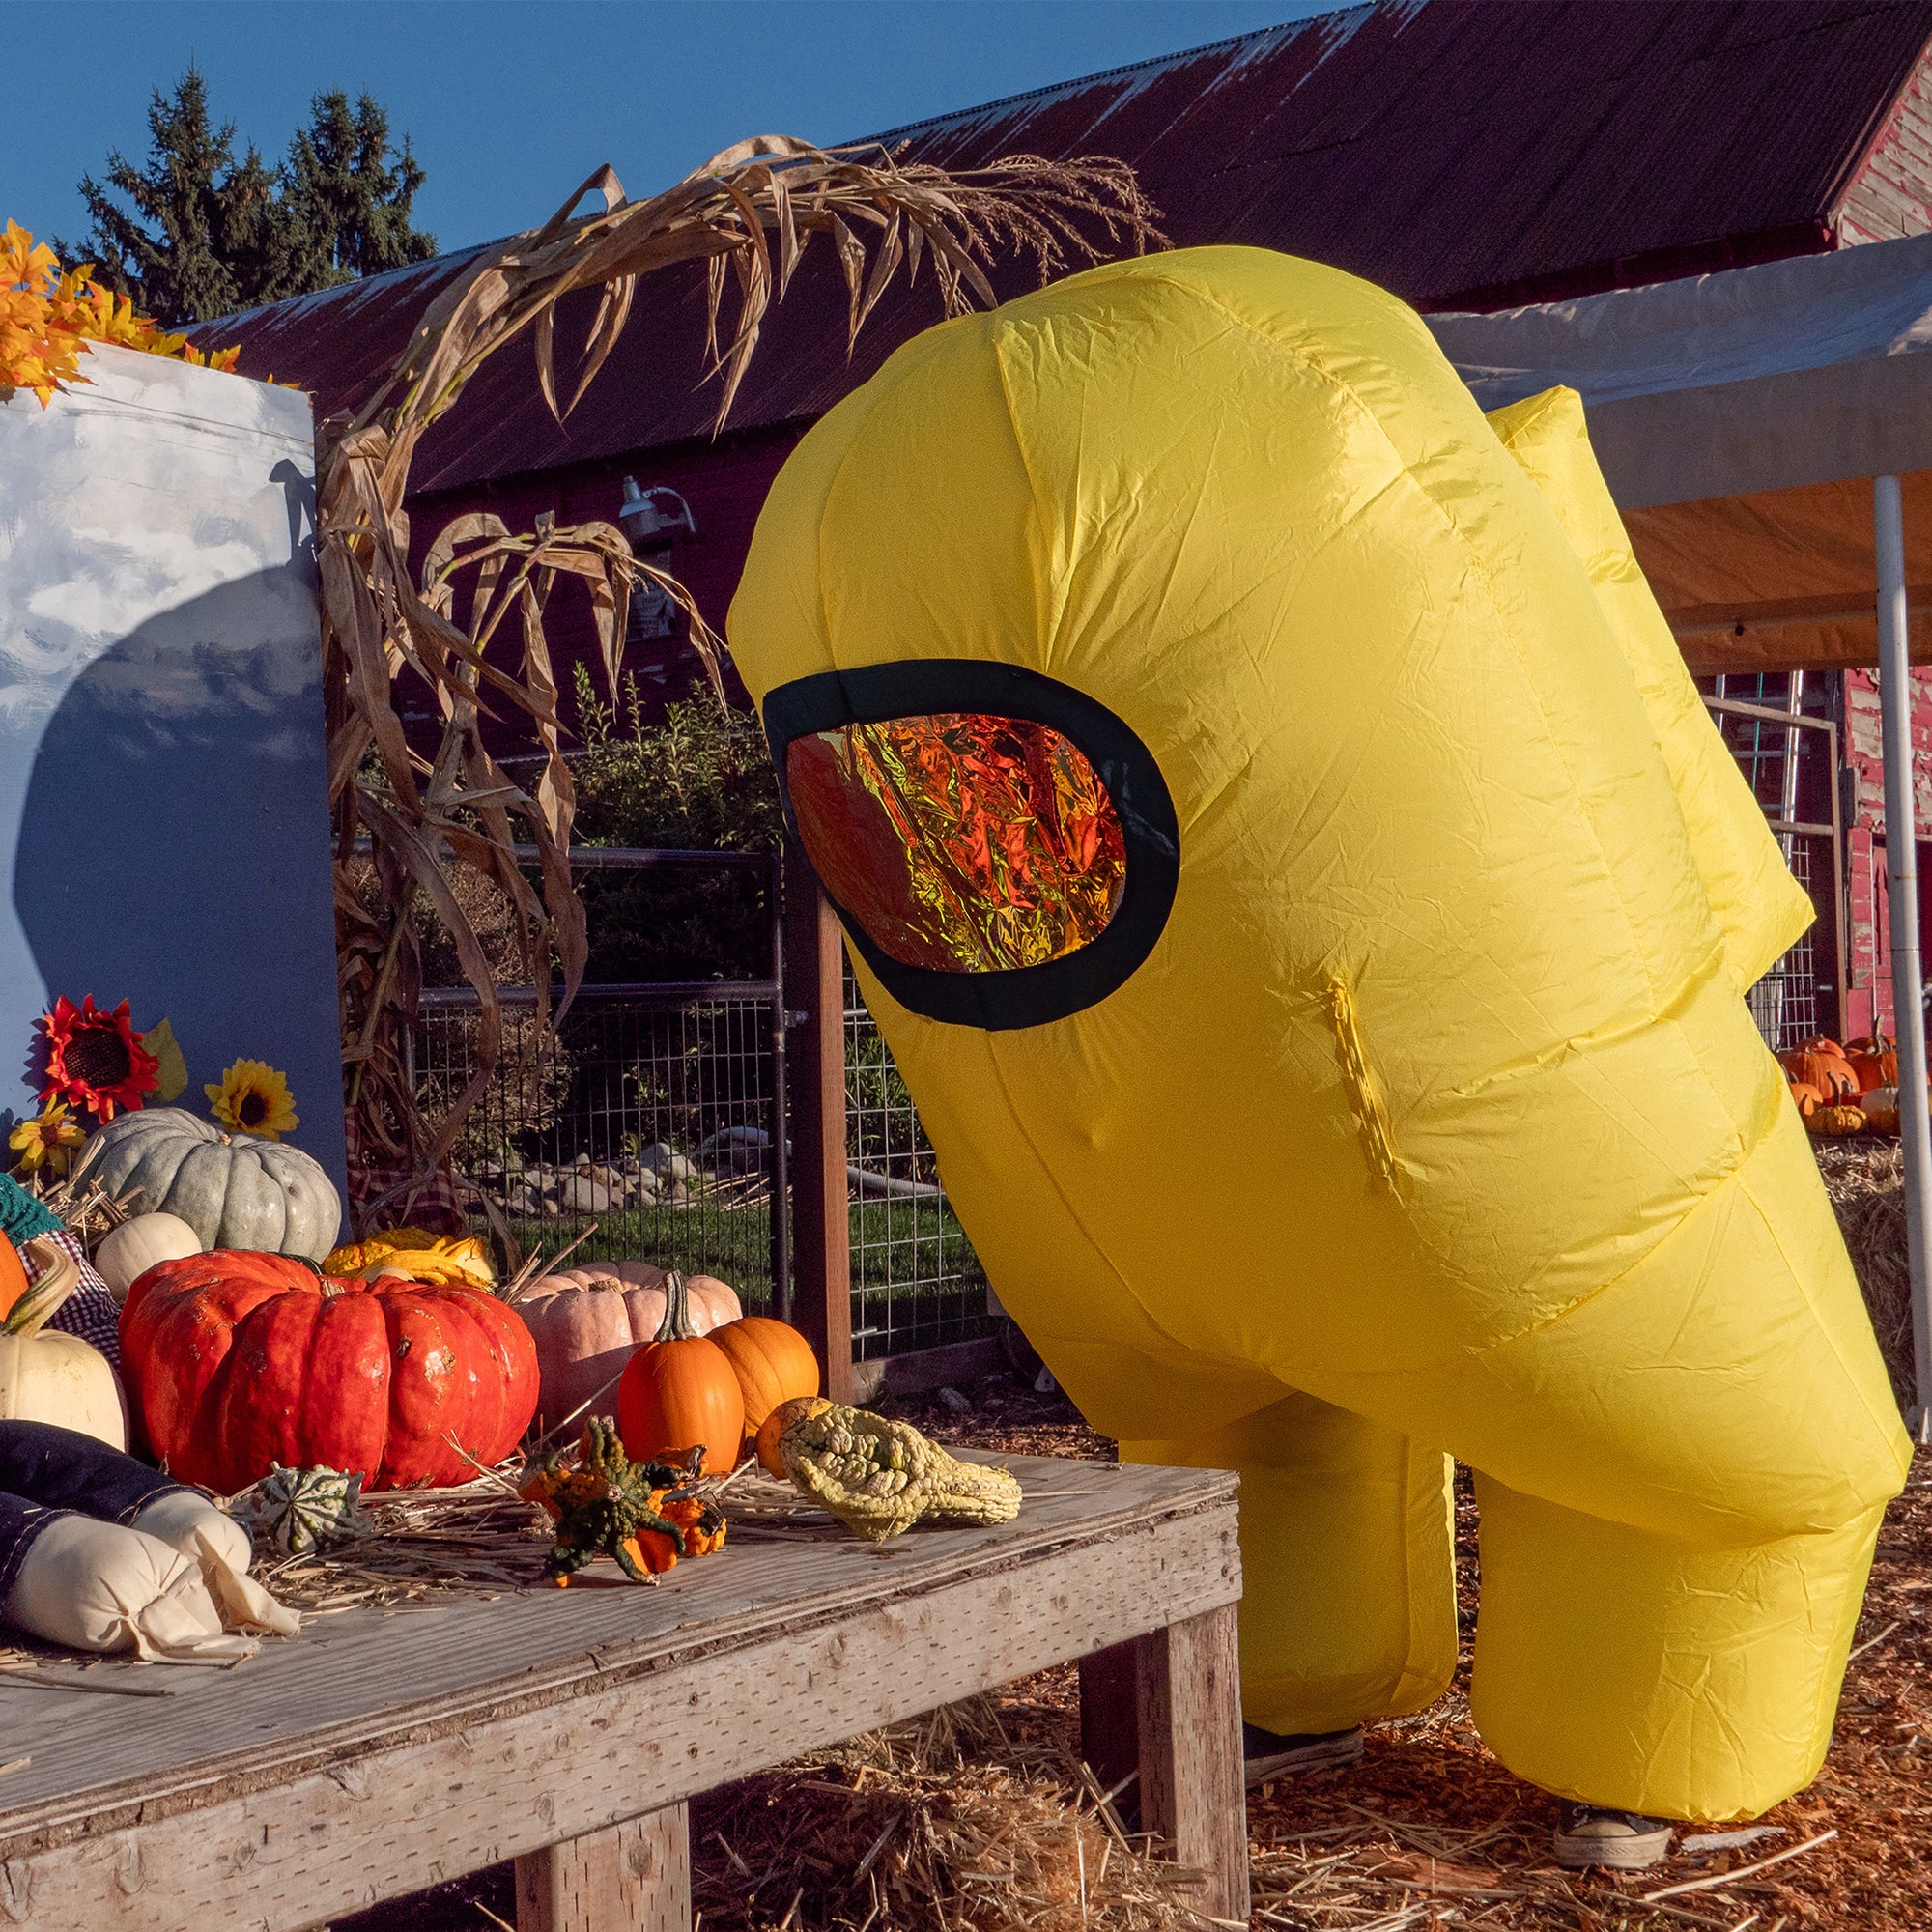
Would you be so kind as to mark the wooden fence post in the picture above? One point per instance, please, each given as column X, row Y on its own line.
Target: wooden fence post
column 815, row 993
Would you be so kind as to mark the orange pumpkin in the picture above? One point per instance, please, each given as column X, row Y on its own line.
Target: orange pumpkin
column 1873, row 1061
column 774, row 1363
column 14, row 1279
column 1819, row 1063
column 1807, row 1097
column 679, row 1392
column 588, row 1322
column 1831, row 1121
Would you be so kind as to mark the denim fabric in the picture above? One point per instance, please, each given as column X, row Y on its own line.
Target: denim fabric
column 63, row 1469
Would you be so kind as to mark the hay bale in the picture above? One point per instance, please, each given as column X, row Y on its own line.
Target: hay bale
column 1865, row 1181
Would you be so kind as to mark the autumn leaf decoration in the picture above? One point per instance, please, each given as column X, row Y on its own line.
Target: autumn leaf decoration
column 48, row 317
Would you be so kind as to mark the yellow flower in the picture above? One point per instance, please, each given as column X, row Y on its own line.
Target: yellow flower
column 252, row 1097
column 46, row 1142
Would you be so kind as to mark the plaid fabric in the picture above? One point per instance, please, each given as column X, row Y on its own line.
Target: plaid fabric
column 89, row 1311
column 432, row 1205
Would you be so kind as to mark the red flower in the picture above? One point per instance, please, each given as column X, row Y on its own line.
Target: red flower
column 96, row 1060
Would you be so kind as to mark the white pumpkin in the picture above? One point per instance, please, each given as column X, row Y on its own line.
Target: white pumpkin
column 130, row 1250
column 47, row 1375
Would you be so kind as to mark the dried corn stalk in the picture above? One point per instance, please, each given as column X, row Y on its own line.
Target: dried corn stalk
column 402, row 820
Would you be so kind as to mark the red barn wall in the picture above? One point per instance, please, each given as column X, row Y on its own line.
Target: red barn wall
column 1868, row 998
column 724, row 483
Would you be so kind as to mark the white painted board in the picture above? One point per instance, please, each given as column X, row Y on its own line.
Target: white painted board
column 163, row 809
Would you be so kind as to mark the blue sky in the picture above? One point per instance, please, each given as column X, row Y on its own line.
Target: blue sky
column 511, row 102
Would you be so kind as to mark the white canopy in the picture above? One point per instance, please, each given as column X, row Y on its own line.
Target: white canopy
column 1739, row 418
column 1767, row 434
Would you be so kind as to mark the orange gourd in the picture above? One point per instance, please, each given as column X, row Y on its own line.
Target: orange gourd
column 679, row 1392
column 14, row 1279
column 776, row 1423
column 774, row 1364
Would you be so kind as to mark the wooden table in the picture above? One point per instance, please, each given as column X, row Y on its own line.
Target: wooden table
column 380, row 1753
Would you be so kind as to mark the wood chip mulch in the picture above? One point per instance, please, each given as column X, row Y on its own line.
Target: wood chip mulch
column 1428, row 1828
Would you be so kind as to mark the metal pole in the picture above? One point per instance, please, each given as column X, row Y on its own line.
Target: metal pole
column 1914, row 1108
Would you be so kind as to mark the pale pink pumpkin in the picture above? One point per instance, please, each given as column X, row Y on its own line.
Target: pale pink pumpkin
column 588, row 1322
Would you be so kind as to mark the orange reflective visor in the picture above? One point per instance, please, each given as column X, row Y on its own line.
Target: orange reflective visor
column 961, row 842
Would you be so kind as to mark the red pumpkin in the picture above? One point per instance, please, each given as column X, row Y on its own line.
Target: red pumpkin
column 680, row 1392
column 774, row 1364
column 237, row 1361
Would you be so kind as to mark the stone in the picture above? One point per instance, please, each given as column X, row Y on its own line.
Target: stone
column 580, row 1195
column 661, row 1158
column 959, row 1402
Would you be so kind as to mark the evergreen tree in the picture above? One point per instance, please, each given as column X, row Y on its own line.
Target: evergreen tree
column 202, row 225
column 198, row 232
column 346, row 199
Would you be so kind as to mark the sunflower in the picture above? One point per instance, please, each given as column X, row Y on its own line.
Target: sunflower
column 254, row 1098
column 95, row 1060
column 47, row 1142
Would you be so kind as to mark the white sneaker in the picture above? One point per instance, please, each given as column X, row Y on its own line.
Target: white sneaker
column 1593, row 1834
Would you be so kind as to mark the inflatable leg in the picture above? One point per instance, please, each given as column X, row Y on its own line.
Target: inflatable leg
column 1626, row 1668
column 1348, row 1606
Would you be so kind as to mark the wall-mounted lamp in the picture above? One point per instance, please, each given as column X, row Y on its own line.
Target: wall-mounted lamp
column 649, row 524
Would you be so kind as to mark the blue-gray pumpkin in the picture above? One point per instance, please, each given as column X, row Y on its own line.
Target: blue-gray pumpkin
column 233, row 1190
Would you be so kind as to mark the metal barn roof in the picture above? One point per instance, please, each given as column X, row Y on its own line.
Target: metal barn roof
column 1462, row 153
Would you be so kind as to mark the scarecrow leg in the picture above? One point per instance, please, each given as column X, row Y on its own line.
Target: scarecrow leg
column 633, row 1877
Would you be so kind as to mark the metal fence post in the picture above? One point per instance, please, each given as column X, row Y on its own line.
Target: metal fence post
column 814, row 994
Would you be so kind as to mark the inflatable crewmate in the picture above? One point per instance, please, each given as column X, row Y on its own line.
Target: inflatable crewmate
column 1288, row 859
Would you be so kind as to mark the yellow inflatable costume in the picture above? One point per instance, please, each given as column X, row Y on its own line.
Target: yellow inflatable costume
column 1311, row 908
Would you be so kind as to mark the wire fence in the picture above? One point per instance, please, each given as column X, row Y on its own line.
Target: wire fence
column 1788, row 756
column 649, row 1125
column 645, row 1127
column 916, row 1281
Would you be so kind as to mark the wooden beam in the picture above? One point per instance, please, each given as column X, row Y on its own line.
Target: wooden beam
column 814, row 980
column 633, row 1877
column 1192, row 1790
column 1165, row 1711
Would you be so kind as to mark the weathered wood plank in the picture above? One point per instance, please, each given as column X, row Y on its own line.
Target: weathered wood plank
column 815, row 982
column 1192, row 1791
column 633, row 1878
column 313, row 1842
column 364, row 1679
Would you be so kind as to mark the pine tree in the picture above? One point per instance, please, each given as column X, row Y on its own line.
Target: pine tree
column 346, row 200
column 202, row 226
column 198, row 232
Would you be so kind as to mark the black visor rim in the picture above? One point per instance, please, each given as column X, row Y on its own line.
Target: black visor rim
column 1011, row 998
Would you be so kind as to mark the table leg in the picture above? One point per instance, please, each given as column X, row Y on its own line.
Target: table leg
column 633, row 1877
column 1168, row 1705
